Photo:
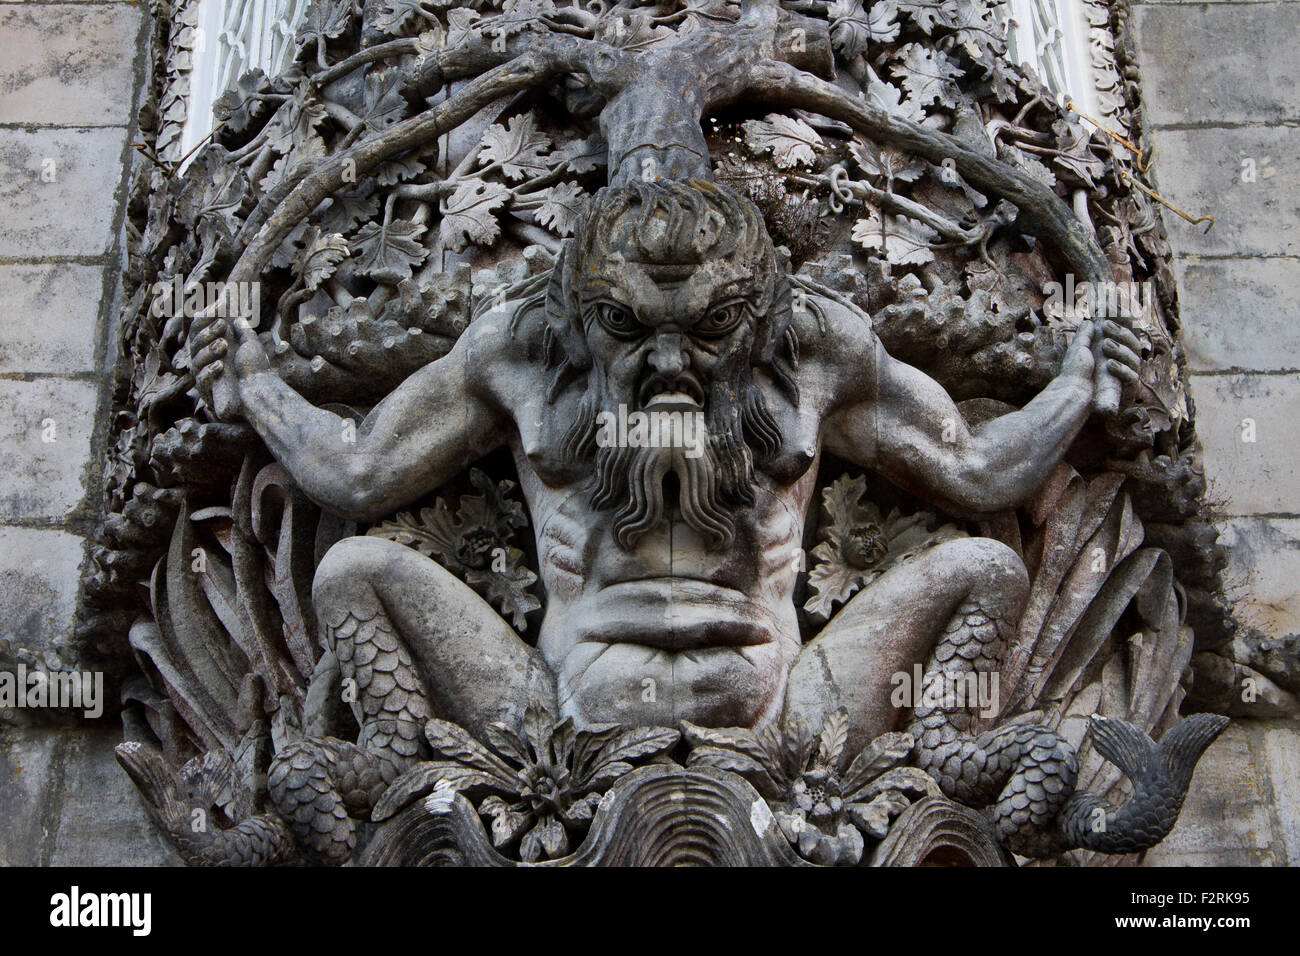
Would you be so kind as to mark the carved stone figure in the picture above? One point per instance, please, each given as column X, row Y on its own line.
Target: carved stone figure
column 667, row 391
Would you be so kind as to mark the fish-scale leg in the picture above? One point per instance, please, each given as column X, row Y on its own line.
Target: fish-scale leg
column 1028, row 773
column 320, row 785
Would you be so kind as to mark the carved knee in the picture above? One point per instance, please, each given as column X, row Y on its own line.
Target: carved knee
column 992, row 570
column 352, row 567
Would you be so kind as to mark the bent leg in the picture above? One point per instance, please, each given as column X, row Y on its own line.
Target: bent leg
column 893, row 624
column 421, row 643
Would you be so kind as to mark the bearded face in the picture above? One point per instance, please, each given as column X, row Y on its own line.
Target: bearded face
column 672, row 297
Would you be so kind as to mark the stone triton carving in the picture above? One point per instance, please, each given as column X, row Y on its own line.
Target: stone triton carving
column 671, row 397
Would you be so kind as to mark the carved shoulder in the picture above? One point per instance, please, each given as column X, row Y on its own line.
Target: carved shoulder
column 838, row 351
column 505, row 352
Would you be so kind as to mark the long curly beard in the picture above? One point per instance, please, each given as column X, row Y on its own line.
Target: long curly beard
column 711, row 486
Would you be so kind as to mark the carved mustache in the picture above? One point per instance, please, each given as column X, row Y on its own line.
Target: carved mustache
column 657, row 384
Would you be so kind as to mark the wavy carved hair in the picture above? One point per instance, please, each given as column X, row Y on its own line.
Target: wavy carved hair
column 670, row 223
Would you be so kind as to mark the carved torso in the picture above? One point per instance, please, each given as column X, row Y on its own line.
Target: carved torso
column 644, row 633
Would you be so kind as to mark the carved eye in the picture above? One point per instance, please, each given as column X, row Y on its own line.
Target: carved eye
column 616, row 320
column 721, row 319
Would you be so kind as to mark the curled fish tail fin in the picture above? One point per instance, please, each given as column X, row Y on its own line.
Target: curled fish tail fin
column 262, row 840
column 1182, row 746
column 1160, row 774
column 1123, row 745
column 154, row 779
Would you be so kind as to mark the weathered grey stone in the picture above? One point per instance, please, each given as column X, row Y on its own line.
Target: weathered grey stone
column 1231, row 63
column 1227, row 818
column 1248, row 74
column 101, row 820
column 66, row 64
column 1240, row 313
column 1200, row 171
column 1276, row 656
column 71, row 215
column 1263, row 574
column 1246, row 424
column 1281, row 756
column 1238, row 690
column 45, row 429
column 48, row 323
column 30, row 776
column 36, row 601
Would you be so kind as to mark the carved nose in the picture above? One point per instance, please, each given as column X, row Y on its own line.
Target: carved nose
column 667, row 357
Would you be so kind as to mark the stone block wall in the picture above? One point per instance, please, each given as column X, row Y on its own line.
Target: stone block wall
column 1221, row 90
column 1221, row 103
column 71, row 76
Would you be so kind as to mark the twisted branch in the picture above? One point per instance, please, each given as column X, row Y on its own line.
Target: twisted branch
column 714, row 69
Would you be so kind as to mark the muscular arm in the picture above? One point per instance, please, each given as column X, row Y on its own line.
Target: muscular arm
column 424, row 432
column 908, row 428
